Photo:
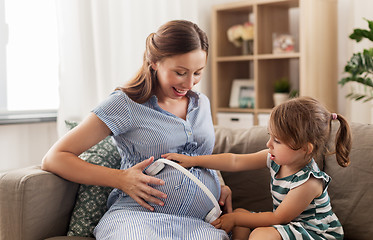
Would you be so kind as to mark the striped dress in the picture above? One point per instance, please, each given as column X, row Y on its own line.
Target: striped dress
column 144, row 130
column 317, row 221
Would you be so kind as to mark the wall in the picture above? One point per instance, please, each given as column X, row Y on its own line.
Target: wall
column 24, row 145
column 351, row 14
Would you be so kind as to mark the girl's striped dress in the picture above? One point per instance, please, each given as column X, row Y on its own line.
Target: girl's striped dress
column 317, row 221
column 144, row 130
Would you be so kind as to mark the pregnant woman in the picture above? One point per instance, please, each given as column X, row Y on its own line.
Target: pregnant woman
column 154, row 113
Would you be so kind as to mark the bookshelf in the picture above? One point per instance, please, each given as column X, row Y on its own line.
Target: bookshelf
column 311, row 67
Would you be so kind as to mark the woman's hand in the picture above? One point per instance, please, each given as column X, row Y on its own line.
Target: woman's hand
column 184, row 160
column 136, row 184
column 226, row 199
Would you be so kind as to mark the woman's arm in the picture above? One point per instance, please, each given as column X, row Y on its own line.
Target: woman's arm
column 295, row 202
column 62, row 159
column 225, row 161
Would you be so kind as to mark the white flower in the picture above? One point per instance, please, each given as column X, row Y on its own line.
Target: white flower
column 237, row 33
column 247, row 31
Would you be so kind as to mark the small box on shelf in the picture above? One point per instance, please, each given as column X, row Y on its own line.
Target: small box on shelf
column 263, row 119
column 235, row 120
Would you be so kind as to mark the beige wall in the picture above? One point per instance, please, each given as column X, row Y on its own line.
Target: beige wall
column 24, row 145
column 351, row 14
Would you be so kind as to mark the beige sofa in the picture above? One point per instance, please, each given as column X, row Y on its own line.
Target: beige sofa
column 35, row 204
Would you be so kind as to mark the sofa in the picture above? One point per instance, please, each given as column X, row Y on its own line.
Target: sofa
column 35, row 204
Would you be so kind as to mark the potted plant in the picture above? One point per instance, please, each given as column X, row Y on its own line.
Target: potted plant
column 360, row 66
column 281, row 90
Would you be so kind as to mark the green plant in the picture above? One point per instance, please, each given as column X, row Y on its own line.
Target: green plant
column 282, row 85
column 294, row 93
column 360, row 66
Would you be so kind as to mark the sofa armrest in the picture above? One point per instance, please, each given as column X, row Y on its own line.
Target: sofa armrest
column 34, row 204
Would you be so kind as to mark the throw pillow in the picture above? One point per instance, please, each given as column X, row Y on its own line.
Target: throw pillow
column 90, row 203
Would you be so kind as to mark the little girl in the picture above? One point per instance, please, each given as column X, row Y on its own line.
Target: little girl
column 299, row 130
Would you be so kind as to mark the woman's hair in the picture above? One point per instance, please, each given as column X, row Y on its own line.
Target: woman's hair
column 304, row 120
column 172, row 38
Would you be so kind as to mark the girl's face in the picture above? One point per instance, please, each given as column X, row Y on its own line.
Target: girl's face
column 178, row 74
column 282, row 154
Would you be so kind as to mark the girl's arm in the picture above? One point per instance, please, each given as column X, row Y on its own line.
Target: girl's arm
column 62, row 159
column 225, row 161
column 295, row 202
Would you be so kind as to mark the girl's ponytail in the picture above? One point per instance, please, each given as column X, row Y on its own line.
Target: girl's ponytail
column 342, row 140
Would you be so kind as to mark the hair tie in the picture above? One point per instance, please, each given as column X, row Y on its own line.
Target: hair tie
column 334, row 116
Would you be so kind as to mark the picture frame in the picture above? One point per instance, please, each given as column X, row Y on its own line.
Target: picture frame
column 283, row 43
column 242, row 94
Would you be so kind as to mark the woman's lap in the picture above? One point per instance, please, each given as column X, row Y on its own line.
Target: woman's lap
column 150, row 225
column 181, row 217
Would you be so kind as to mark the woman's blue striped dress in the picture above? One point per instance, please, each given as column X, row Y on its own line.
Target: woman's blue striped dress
column 144, row 130
column 317, row 221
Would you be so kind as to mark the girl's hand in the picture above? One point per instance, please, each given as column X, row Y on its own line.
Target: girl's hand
column 226, row 199
column 183, row 160
column 225, row 222
column 136, row 184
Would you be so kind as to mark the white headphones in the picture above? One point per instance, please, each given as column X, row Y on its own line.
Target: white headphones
column 158, row 165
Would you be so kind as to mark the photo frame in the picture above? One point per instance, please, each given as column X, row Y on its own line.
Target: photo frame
column 242, row 94
column 283, row 43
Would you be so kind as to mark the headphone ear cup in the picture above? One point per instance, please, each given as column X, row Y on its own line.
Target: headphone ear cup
column 154, row 168
column 212, row 215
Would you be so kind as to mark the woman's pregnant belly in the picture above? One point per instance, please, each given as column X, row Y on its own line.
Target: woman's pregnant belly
column 184, row 197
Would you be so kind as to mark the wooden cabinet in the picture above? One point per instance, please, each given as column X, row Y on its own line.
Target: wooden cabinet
column 311, row 67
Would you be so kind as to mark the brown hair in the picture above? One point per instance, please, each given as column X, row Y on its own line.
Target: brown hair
column 172, row 38
column 304, row 120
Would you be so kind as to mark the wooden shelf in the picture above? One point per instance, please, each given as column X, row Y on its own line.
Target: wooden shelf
column 278, row 56
column 235, row 58
column 311, row 68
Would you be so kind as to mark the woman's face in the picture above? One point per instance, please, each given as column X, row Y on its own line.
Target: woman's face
column 178, row 74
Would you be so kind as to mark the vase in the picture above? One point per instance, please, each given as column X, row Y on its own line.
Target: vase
column 279, row 98
column 247, row 47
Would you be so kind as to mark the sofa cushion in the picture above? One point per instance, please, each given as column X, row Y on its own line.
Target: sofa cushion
column 91, row 200
column 351, row 188
column 250, row 189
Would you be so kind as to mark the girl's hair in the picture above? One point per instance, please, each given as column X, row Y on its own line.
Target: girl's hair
column 172, row 38
column 304, row 120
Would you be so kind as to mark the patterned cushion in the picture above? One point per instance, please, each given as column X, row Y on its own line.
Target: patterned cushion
column 91, row 200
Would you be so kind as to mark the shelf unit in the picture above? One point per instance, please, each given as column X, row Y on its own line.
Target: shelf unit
column 311, row 68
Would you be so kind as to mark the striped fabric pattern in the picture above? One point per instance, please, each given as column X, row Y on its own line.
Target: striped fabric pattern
column 144, row 130
column 317, row 221
column 180, row 218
